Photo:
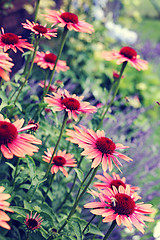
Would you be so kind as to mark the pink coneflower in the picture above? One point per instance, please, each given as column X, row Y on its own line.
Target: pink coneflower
column 12, row 41
column 34, row 222
column 97, row 147
column 126, row 54
column 4, row 206
column 13, row 144
column 40, row 30
column 109, row 182
column 68, row 20
column 47, row 60
column 72, row 104
column 36, row 125
column 52, row 87
column 120, row 205
column 60, row 160
column 5, row 64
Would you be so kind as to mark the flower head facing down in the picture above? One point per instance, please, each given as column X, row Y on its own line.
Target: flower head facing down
column 5, row 64
column 47, row 60
column 13, row 143
column 72, row 104
column 52, row 87
column 120, row 205
column 68, row 20
column 110, row 182
column 126, row 54
column 4, row 206
column 60, row 160
column 33, row 222
column 40, row 30
column 97, row 147
column 14, row 42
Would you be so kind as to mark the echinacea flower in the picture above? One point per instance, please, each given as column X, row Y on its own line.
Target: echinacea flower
column 52, row 87
column 97, row 147
column 60, row 160
column 47, row 60
column 109, row 182
column 4, row 206
column 14, row 42
column 5, row 64
column 120, row 205
column 68, row 20
column 33, row 222
column 72, row 104
column 40, row 30
column 12, row 143
column 126, row 54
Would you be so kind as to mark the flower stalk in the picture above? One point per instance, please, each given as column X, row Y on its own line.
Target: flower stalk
column 51, row 181
column 110, row 230
column 58, row 141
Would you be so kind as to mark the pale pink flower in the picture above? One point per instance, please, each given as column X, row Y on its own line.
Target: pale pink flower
column 47, row 60
column 4, row 206
column 5, row 64
column 126, row 54
column 60, row 160
column 109, row 182
column 12, row 143
column 120, row 205
column 72, row 104
column 40, row 30
column 68, row 20
column 14, row 42
column 97, row 147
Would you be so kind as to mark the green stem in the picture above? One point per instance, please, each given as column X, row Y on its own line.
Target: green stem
column 0, row 156
column 98, row 225
column 69, row 5
column 93, row 217
column 16, row 170
column 78, row 199
column 56, row 146
column 114, row 94
column 51, row 181
column 63, row 39
column 29, row 72
column 28, row 233
column 29, row 56
column 110, row 230
column 45, row 80
column 1, row 83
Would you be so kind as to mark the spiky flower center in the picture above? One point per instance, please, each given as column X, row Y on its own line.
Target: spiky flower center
column 123, row 204
column 8, row 132
column 40, row 29
column 32, row 223
column 50, row 57
column 71, row 103
column 9, row 38
column 128, row 52
column 116, row 183
column 105, row 145
column 59, row 161
column 69, row 17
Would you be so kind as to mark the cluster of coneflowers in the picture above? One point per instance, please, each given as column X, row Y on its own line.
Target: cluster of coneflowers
column 116, row 201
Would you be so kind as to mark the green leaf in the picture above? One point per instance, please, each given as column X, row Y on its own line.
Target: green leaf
column 94, row 230
column 19, row 210
column 31, row 166
column 11, row 165
column 27, row 206
column 77, row 229
column 3, row 100
column 79, row 174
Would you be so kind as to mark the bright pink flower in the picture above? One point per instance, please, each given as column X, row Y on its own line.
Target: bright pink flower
column 120, row 205
column 34, row 222
column 12, row 41
column 12, row 143
column 4, row 206
column 40, row 30
column 109, row 182
column 60, row 160
column 68, row 20
column 47, row 60
column 52, row 87
column 5, row 64
column 126, row 54
column 72, row 104
column 97, row 147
